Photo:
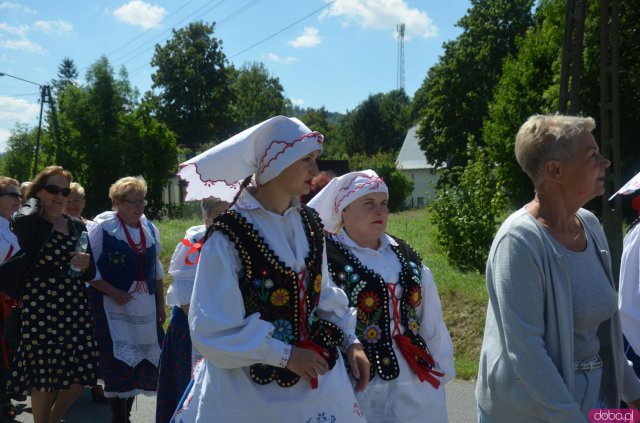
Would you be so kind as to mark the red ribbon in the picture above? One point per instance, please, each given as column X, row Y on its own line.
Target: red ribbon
column 420, row 361
column 310, row 345
column 193, row 248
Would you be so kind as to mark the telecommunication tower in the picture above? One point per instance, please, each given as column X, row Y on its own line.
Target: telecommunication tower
column 400, row 31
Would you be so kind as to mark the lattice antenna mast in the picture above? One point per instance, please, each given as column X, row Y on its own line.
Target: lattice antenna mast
column 400, row 31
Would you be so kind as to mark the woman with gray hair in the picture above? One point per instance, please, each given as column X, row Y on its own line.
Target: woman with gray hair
column 177, row 355
column 552, row 348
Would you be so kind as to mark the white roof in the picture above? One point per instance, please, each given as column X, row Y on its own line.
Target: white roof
column 411, row 156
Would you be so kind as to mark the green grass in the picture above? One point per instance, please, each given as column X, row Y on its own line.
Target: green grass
column 463, row 294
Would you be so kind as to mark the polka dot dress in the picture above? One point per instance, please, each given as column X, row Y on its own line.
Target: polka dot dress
column 57, row 345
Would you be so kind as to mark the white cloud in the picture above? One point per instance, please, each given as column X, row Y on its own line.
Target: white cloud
column 14, row 30
column 383, row 15
column 15, row 6
column 308, row 38
column 18, row 110
column 24, row 45
column 58, row 27
column 296, row 101
column 4, row 137
column 139, row 13
column 277, row 59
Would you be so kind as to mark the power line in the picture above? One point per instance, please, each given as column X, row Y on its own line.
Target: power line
column 283, row 29
column 143, row 33
column 144, row 45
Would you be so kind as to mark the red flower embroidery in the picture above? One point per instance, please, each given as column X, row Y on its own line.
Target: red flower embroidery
column 369, row 302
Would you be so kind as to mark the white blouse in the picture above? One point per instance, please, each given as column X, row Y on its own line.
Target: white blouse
column 629, row 296
column 230, row 341
column 183, row 272
column 109, row 222
column 406, row 399
column 8, row 240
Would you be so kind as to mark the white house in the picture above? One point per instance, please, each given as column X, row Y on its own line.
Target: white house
column 412, row 161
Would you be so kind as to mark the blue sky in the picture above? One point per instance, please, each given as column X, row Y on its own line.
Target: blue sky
column 334, row 57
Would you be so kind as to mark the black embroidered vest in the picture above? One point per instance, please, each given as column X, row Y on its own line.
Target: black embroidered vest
column 272, row 289
column 367, row 291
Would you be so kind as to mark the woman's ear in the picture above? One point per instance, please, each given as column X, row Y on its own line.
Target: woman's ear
column 552, row 169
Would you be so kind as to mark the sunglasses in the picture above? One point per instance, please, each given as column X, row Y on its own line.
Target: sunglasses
column 55, row 190
column 11, row 194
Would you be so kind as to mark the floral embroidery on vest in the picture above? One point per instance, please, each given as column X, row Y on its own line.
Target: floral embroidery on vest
column 271, row 288
column 368, row 292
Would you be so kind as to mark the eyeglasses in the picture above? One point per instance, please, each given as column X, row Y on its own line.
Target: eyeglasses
column 55, row 190
column 11, row 194
column 136, row 202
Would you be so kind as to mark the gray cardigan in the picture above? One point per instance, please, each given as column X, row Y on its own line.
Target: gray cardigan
column 526, row 362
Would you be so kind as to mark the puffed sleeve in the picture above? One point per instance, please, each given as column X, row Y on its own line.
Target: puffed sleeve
column 334, row 306
column 183, row 273
column 629, row 298
column 95, row 240
column 219, row 328
column 159, row 268
column 432, row 328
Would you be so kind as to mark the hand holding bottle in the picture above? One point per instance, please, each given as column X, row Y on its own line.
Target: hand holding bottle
column 80, row 260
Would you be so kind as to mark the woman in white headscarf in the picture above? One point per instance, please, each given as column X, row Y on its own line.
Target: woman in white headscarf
column 399, row 314
column 264, row 313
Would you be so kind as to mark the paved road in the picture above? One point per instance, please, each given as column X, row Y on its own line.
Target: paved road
column 460, row 399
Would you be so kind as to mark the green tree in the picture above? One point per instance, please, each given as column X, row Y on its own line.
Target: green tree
column 379, row 123
column 67, row 74
column 458, row 88
column 529, row 84
column 193, row 80
column 258, row 96
column 18, row 158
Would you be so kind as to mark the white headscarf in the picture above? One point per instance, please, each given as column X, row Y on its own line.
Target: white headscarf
column 631, row 186
column 264, row 150
column 341, row 192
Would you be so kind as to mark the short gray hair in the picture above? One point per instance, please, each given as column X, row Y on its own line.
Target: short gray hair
column 548, row 137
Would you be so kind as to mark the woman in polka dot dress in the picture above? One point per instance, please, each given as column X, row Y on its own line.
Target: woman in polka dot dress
column 57, row 351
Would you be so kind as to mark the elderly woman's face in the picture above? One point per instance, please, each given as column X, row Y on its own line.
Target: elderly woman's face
column 10, row 201
column 131, row 207
column 365, row 220
column 584, row 173
column 75, row 205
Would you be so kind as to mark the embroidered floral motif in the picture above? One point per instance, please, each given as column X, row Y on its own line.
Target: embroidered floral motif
column 372, row 334
column 355, row 291
column 322, row 417
column 279, row 297
column 317, row 284
column 358, row 410
column 414, row 326
column 415, row 297
column 116, row 258
column 369, row 302
column 283, row 330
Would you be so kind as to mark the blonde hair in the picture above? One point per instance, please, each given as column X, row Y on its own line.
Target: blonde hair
column 77, row 188
column 548, row 137
column 5, row 181
column 127, row 185
column 41, row 179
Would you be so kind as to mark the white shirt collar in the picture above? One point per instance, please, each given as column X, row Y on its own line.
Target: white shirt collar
column 247, row 201
column 385, row 241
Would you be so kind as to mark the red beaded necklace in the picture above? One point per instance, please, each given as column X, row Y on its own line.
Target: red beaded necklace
column 138, row 248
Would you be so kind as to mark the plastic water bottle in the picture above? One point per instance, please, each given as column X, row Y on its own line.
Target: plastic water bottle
column 81, row 247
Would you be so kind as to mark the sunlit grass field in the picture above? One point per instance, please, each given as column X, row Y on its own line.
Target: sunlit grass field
column 463, row 294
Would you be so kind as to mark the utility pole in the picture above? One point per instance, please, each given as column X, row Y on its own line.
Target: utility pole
column 45, row 96
column 400, row 31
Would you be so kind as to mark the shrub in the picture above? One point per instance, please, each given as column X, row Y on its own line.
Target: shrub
column 465, row 212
